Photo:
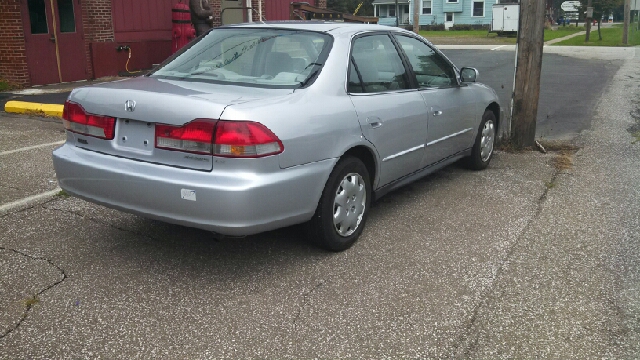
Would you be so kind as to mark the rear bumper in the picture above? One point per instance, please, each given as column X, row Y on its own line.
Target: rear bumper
column 229, row 202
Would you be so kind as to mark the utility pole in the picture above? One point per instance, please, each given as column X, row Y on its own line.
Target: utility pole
column 397, row 15
column 417, row 4
column 526, row 90
column 627, row 16
column 588, row 21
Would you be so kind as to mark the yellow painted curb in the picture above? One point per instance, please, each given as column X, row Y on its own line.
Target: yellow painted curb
column 23, row 107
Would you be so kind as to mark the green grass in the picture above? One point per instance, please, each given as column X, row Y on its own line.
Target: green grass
column 561, row 32
column 484, row 34
column 456, row 33
column 4, row 86
column 611, row 36
column 469, row 34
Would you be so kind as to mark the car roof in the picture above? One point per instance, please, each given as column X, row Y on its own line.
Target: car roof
column 333, row 27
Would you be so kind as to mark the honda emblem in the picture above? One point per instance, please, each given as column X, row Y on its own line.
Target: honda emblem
column 130, row 105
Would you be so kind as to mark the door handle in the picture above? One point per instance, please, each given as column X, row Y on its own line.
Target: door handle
column 437, row 113
column 53, row 38
column 374, row 122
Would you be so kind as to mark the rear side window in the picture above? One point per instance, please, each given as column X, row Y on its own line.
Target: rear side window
column 377, row 64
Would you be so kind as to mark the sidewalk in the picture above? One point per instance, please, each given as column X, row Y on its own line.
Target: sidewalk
column 570, row 288
column 47, row 99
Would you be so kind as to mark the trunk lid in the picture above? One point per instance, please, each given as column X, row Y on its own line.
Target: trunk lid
column 141, row 103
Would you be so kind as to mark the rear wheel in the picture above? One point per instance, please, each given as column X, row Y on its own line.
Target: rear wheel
column 343, row 207
column 483, row 147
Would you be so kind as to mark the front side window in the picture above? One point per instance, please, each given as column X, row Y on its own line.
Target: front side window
column 426, row 7
column 377, row 65
column 264, row 57
column 478, row 8
column 431, row 69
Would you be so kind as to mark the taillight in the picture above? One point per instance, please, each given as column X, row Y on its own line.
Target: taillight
column 76, row 119
column 245, row 139
column 195, row 137
column 242, row 139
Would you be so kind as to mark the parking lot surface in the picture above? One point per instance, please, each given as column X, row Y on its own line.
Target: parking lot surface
column 525, row 259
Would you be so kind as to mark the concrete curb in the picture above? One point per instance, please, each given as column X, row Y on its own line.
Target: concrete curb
column 23, row 107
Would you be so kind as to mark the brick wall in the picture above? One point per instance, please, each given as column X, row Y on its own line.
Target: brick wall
column 97, row 23
column 216, row 6
column 13, row 58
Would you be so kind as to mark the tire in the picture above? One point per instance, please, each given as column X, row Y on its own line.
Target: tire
column 482, row 151
column 347, row 191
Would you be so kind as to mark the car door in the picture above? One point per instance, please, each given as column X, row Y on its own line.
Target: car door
column 452, row 118
column 391, row 112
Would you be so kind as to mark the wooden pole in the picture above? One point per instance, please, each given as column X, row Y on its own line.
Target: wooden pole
column 417, row 5
column 526, row 90
column 627, row 18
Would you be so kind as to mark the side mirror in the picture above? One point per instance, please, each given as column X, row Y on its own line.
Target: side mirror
column 468, row 74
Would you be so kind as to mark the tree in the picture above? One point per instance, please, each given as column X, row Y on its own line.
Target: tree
column 601, row 8
column 349, row 6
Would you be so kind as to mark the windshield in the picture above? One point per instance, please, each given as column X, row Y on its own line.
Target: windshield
column 251, row 56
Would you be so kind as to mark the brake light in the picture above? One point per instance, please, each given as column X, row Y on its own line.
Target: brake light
column 243, row 139
column 77, row 120
column 195, row 137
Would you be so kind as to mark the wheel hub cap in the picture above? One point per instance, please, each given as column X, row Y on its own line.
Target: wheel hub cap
column 349, row 204
column 486, row 143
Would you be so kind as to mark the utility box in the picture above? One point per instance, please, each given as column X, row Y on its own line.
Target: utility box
column 505, row 18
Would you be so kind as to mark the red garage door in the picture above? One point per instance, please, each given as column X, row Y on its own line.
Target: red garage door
column 279, row 9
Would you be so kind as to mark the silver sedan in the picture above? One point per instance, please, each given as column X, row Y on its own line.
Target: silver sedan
column 259, row 126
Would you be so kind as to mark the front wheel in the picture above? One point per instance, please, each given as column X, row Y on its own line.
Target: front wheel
column 343, row 207
column 483, row 147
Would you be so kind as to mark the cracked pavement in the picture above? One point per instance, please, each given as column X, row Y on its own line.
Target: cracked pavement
column 522, row 260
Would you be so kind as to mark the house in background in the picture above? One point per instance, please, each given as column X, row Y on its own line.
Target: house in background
column 385, row 10
column 436, row 12
column 53, row 41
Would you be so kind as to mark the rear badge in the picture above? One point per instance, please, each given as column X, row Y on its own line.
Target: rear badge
column 187, row 194
column 130, row 105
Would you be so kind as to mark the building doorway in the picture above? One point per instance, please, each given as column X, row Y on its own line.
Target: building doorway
column 54, row 43
column 448, row 20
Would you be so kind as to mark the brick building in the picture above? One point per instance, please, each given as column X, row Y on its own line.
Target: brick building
column 51, row 41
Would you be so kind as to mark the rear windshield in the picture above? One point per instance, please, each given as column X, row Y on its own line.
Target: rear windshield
column 251, row 56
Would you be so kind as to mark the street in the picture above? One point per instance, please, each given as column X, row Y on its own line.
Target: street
column 536, row 257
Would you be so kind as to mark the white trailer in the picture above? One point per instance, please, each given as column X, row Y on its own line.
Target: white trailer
column 505, row 18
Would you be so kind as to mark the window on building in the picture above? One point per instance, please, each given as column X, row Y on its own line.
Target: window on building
column 448, row 17
column 426, row 7
column 391, row 10
column 38, row 17
column 478, row 8
column 452, row 1
column 67, row 18
column 386, row 10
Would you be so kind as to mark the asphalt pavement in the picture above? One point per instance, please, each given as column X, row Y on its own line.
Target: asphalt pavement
column 536, row 257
